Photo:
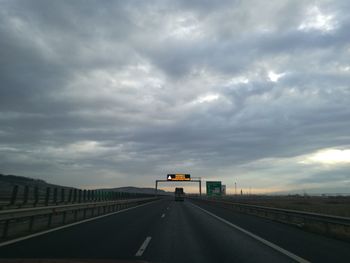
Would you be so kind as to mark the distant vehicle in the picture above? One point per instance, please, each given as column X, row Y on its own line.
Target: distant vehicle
column 179, row 194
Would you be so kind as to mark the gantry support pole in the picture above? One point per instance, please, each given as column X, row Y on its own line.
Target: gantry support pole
column 156, row 190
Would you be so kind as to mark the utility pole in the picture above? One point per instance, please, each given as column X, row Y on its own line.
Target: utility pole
column 235, row 188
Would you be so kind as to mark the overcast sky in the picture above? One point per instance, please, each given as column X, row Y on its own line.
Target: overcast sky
column 118, row 93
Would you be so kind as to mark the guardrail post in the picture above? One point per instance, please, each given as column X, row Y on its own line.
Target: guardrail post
column 79, row 195
column 64, row 217
column 75, row 215
column 54, row 196
column 5, row 229
column 62, row 195
column 88, row 195
column 47, row 197
column 70, row 195
column 14, row 195
column 36, row 195
column 49, row 220
column 74, row 195
column 25, row 195
column 31, row 223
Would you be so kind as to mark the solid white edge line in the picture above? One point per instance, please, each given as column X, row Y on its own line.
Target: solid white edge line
column 69, row 225
column 264, row 241
column 143, row 247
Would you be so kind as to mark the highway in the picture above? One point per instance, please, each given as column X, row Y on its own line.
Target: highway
column 169, row 231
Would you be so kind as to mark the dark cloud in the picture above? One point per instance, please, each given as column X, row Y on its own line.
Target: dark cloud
column 115, row 93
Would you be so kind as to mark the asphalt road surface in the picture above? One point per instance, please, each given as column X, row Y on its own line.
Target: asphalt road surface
column 169, row 231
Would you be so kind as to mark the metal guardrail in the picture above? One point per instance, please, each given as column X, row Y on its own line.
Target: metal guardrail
column 17, row 222
column 335, row 226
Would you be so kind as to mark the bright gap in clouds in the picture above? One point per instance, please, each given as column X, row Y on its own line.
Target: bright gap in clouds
column 274, row 77
column 207, row 98
column 330, row 156
column 316, row 20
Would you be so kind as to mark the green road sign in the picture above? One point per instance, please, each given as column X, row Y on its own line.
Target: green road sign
column 213, row 188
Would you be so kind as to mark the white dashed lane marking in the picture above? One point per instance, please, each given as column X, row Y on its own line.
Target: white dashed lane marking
column 143, row 247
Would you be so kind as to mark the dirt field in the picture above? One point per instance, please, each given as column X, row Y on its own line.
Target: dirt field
column 331, row 205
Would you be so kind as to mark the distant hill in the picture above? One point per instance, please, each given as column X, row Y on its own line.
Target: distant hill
column 326, row 191
column 15, row 179
column 8, row 181
column 11, row 180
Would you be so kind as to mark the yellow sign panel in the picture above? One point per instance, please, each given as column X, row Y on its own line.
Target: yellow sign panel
column 179, row 177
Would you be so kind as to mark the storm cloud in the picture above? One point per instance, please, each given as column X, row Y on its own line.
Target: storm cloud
column 116, row 93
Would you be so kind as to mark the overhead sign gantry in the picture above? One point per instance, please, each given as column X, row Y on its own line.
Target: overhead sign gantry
column 180, row 178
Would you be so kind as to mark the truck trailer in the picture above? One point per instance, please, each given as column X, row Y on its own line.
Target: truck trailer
column 179, row 194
